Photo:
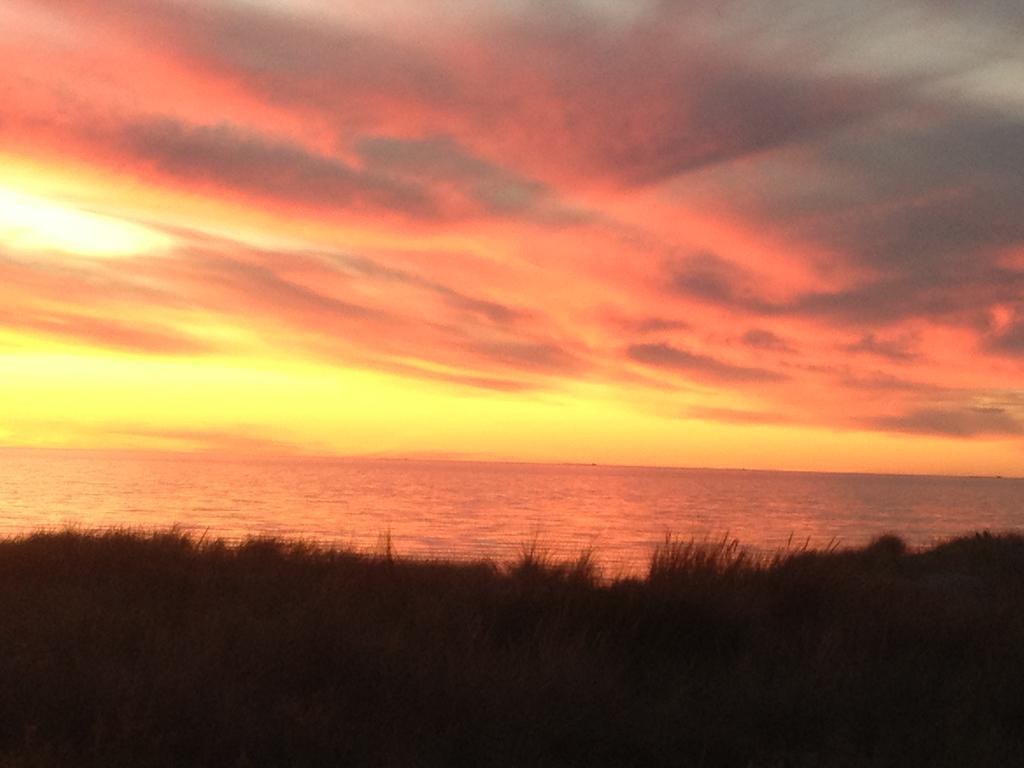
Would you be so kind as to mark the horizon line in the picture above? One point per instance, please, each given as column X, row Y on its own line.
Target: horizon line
column 452, row 459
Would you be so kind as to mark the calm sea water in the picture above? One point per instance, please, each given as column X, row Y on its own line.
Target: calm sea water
column 490, row 509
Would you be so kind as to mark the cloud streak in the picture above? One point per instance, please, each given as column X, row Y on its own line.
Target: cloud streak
column 700, row 367
column 796, row 201
column 962, row 422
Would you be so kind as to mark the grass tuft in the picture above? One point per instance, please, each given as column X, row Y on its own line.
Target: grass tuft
column 138, row 648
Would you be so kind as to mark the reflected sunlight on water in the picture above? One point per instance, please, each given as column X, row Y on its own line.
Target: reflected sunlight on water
column 489, row 509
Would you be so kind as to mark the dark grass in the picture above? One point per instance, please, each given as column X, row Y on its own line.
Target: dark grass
column 163, row 650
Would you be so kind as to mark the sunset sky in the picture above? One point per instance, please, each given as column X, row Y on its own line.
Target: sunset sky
column 749, row 234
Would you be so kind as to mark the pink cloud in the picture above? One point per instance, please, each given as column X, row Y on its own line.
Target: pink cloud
column 673, row 200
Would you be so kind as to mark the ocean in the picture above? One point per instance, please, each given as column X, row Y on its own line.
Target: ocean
column 482, row 509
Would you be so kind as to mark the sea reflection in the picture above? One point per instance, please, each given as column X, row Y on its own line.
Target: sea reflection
column 449, row 509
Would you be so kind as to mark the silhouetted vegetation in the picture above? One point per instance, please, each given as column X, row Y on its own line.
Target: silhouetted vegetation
column 164, row 650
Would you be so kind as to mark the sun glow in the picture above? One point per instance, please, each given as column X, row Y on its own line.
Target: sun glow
column 33, row 224
column 644, row 237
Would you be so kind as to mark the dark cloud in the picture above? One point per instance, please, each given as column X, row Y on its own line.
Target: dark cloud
column 300, row 59
column 500, row 314
column 439, row 161
column 700, row 367
column 637, row 104
column 660, row 324
column 957, row 296
column 875, row 302
column 709, row 278
column 898, row 349
column 759, row 338
column 925, row 200
column 1009, row 341
column 999, row 12
column 541, row 357
column 911, row 183
column 680, row 87
column 935, row 195
column 644, row 103
column 310, row 62
column 920, row 197
column 952, row 422
column 429, row 179
column 876, row 381
column 233, row 158
column 656, row 98
column 726, row 113
column 632, row 325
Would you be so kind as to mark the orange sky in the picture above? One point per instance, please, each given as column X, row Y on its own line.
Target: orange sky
column 761, row 234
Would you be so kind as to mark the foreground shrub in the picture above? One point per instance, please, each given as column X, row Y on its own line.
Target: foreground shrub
column 160, row 650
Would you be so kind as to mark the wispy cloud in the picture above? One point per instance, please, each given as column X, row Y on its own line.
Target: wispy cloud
column 698, row 366
column 961, row 422
column 815, row 202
